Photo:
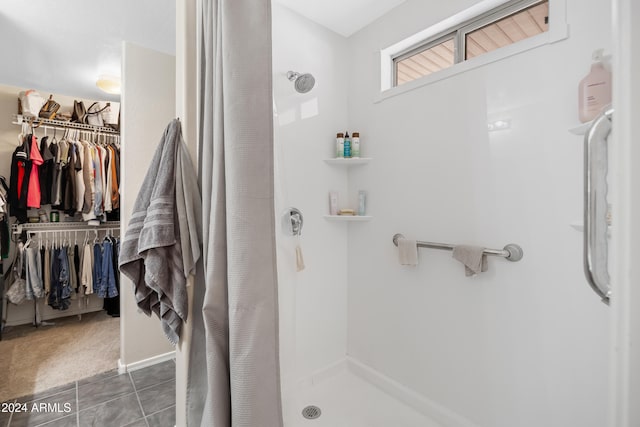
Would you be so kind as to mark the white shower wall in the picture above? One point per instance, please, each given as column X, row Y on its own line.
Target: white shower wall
column 524, row 344
column 313, row 303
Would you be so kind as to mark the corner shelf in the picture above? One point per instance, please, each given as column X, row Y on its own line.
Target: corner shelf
column 348, row 162
column 348, row 218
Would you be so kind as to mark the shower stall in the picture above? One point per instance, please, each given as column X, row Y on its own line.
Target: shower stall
column 367, row 342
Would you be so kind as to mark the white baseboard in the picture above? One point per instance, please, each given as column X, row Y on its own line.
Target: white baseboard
column 420, row 403
column 144, row 363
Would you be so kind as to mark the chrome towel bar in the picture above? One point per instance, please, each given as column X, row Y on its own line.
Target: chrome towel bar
column 511, row 252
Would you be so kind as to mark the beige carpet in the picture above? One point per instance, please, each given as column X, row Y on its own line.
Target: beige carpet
column 35, row 359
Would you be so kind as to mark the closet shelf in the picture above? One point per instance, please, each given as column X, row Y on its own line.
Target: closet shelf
column 63, row 226
column 348, row 218
column 59, row 124
column 348, row 162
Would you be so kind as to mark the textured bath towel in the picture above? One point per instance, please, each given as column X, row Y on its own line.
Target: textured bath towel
column 160, row 229
column 473, row 258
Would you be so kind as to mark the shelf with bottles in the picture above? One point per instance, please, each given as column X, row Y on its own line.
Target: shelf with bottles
column 348, row 214
column 351, row 161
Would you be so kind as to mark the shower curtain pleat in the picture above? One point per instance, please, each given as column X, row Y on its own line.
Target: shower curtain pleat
column 235, row 328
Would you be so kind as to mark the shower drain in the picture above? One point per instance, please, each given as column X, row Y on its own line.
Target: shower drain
column 311, row 412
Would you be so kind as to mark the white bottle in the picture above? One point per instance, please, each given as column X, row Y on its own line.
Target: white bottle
column 594, row 90
column 333, row 203
column 362, row 200
column 340, row 145
column 355, row 145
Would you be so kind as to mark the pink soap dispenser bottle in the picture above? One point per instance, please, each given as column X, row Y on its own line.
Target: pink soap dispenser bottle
column 595, row 89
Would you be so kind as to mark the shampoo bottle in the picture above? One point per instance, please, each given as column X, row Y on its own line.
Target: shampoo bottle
column 340, row 145
column 355, row 145
column 594, row 89
column 347, row 146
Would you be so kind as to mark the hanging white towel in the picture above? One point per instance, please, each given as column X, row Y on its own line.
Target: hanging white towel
column 408, row 252
column 473, row 258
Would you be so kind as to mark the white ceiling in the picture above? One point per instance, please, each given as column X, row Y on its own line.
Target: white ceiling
column 345, row 17
column 63, row 46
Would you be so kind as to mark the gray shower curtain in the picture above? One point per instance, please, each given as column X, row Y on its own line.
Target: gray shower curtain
column 233, row 375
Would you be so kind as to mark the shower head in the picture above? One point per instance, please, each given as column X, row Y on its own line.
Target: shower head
column 303, row 82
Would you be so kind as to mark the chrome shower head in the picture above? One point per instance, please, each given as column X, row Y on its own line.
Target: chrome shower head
column 303, row 82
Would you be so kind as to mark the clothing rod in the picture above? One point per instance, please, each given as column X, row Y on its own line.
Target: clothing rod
column 63, row 226
column 511, row 252
column 58, row 124
column 97, row 132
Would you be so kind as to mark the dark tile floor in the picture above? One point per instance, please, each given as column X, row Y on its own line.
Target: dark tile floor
column 142, row 398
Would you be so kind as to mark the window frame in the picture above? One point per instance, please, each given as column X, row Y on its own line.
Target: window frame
column 426, row 45
column 459, row 34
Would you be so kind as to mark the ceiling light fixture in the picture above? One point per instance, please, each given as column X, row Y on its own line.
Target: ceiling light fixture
column 109, row 84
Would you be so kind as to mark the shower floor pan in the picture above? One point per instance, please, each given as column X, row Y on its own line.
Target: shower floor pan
column 346, row 400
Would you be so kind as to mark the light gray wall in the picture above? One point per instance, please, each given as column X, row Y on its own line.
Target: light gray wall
column 148, row 105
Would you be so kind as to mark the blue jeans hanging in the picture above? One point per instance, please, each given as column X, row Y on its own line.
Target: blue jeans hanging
column 108, row 281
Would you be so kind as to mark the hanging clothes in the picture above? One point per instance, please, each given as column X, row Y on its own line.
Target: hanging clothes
column 76, row 264
column 33, row 191
column 33, row 272
column 97, row 268
column 56, row 190
column 115, row 170
column 71, row 175
column 69, row 197
column 88, row 176
column 107, row 284
column 60, row 293
column 46, row 171
column 20, row 168
column 97, row 162
column 46, row 268
column 5, row 242
column 108, row 201
column 112, row 304
column 73, row 277
column 87, row 271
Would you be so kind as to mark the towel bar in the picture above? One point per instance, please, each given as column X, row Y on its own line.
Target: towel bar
column 511, row 252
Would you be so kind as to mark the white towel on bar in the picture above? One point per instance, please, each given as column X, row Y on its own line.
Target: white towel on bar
column 408, row 252
column 473, row 258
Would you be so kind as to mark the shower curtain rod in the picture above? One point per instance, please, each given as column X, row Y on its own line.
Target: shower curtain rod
column 511, row 252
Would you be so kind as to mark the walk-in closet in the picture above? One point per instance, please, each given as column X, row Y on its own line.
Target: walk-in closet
column 71, row 329
column 60, row 230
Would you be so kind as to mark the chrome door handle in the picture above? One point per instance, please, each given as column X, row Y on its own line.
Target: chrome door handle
column 595, row 205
